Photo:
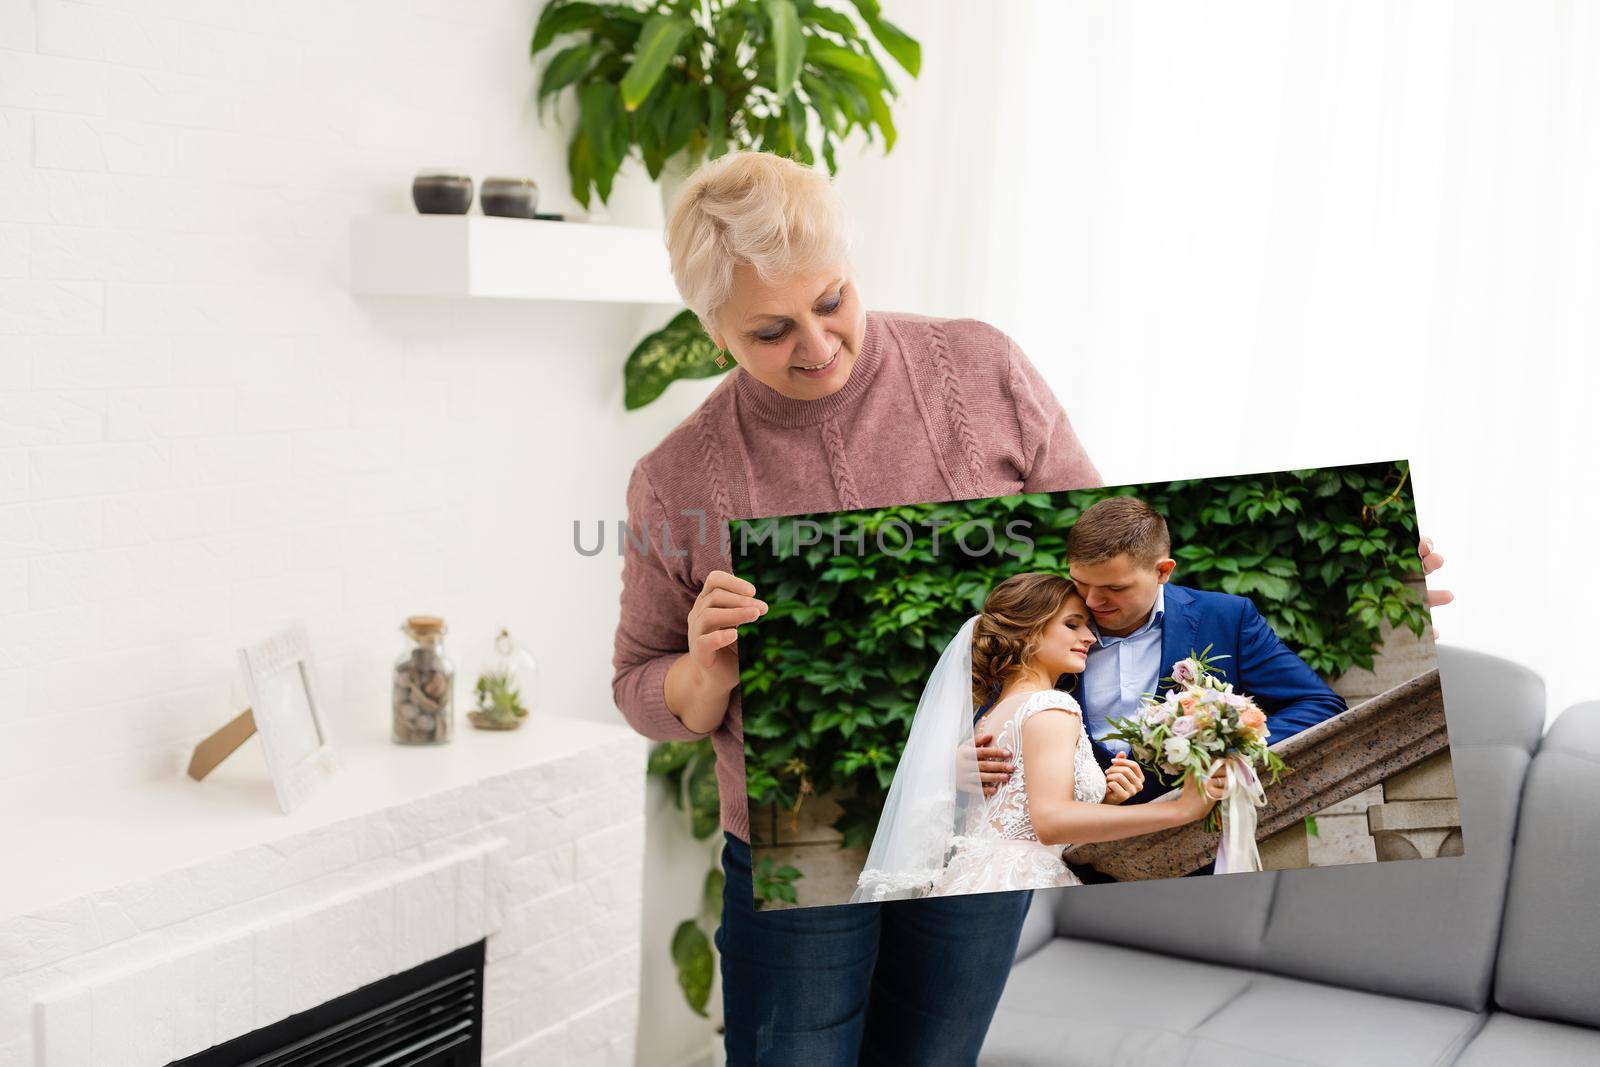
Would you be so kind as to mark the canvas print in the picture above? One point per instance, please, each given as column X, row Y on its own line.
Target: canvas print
column 1199, row 677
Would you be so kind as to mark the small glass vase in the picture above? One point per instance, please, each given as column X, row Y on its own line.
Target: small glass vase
column 506, row 681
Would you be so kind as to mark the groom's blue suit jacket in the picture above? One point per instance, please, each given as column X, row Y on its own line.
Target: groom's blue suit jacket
column 1259, row 665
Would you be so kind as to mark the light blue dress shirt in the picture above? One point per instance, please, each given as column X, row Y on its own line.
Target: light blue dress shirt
column 1120, row 671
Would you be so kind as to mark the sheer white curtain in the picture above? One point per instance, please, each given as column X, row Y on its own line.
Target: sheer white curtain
column 1252, row 236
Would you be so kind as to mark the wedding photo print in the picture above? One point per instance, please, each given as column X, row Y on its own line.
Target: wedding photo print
column 1199, row 677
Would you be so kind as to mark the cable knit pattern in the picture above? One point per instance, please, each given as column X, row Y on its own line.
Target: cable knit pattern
column 950, row 385
column 711, row 459
column 933, row 410
column 839, row 464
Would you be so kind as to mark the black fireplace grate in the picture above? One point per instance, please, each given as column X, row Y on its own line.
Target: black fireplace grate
column 429, row 1016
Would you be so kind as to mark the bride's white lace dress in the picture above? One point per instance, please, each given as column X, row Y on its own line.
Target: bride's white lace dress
column 1005, row 853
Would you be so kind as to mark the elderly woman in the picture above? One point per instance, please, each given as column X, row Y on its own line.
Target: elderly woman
column 831, row 407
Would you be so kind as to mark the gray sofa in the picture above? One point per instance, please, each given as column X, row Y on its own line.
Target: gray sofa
column 1488, row 958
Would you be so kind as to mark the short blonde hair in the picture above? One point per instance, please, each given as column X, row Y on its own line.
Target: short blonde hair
column 751, row 207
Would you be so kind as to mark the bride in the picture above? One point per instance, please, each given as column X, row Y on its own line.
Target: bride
column 939, row 834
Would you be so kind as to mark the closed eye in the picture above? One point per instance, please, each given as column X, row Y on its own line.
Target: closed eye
column 779, row 331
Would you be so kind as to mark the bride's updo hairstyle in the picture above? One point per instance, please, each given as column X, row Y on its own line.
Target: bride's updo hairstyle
column 1007, row 633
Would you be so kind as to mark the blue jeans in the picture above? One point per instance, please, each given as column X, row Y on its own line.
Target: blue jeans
column 906, row 982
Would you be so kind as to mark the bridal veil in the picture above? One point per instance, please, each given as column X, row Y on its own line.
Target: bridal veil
column 936, row 795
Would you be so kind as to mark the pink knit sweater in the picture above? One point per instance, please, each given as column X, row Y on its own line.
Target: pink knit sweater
column 934, row 410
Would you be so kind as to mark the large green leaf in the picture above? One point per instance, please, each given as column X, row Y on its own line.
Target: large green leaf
column 841, row 59
column 600, row 115
column 580, row 167
column 689, row 114
column 881, row 115
column 691, row 953
column 598, row 108
column 825, row 103
column 711, row 896
column 897, row 42
column 833, row 21
column 716, row 121
column 558, row 18
column 670, row 756
column 705, row 808
column 799, row 130
column 566, row 67
column 788, row 44
column 649, row 125
column 658, row 43
column 680, row 349
column 852, row 102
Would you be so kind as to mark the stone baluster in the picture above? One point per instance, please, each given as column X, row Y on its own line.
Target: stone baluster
column 1419, row 817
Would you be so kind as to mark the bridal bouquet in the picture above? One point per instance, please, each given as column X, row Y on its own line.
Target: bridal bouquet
column 1200, row 722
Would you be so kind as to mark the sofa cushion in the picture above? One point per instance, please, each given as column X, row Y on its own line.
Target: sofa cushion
column 1425, row 928
column 1160, row 916
column 1491, row 704
column 1549, row 963
column 1282, row 1020
column 1489, row 700
column 1508, row 1038
column 1416, row 928
column 1082, row 1003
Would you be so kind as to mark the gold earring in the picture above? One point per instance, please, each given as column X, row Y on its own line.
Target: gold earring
column 722, row 358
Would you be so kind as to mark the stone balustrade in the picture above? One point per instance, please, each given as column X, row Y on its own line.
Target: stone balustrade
column 1396, row 741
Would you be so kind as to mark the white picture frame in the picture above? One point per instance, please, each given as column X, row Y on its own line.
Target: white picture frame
column 280, row 679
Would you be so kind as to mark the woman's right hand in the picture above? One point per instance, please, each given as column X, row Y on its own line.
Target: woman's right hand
column 725, row 603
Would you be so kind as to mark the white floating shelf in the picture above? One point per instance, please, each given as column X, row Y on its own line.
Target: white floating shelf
column 520, row 259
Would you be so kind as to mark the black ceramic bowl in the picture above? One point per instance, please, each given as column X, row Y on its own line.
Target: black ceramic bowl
column 442, row 194
column 512, row 198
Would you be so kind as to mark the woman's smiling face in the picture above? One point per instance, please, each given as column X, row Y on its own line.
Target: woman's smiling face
column 799, row 336
column 1065, row 642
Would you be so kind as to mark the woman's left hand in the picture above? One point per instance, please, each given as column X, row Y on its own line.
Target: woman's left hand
column 1124, row 778
column 1432, row 561
column 1216, row 786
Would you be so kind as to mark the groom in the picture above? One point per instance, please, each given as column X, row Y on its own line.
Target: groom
column 1119, row 557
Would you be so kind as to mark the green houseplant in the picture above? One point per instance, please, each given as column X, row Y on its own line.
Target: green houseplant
column 677, row 82
column 698, row 78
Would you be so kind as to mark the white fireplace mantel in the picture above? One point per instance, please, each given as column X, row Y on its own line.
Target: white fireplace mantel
column 139, row 925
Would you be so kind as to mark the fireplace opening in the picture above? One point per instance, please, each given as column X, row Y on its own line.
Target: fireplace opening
column 429, row 1016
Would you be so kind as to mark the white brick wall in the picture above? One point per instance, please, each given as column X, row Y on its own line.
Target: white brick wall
column 544, row 861
column 203, row 435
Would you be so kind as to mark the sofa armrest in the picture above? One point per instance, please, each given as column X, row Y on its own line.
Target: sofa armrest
column 1040, row 924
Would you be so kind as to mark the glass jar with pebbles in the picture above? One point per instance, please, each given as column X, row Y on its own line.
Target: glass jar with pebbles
column 424, row 685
